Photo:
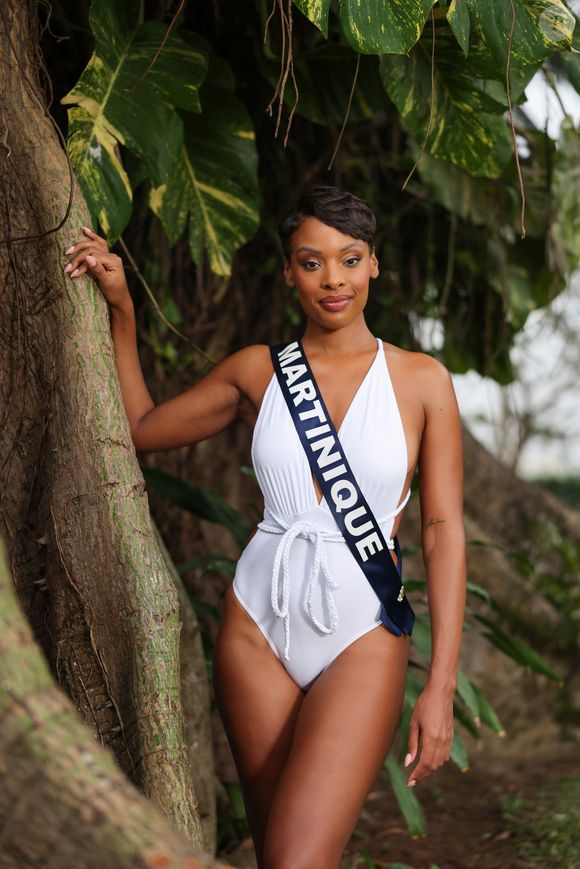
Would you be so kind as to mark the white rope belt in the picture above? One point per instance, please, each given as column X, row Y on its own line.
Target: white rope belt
column 309, row 531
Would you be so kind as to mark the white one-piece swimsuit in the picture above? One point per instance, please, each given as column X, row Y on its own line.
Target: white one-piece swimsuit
column 297, row 578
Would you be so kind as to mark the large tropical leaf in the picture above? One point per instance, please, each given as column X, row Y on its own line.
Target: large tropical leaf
column 541, row 28
column 316, row 11
column 458, row 18
column 467, row 127
column 215, row 185
column 383, row 26
column 113, row 105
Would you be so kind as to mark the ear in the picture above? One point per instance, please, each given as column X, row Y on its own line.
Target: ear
column 288, row 273
column 374, row 265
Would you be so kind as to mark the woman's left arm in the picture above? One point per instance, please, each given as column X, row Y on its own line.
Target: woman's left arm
column 443, row 543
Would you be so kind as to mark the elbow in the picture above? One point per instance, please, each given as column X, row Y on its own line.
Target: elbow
column 444, row 535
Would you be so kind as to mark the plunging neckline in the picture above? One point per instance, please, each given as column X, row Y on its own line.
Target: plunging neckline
column 346, row 416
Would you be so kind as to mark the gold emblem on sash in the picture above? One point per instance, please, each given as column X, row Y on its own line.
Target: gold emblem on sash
column 401, row 594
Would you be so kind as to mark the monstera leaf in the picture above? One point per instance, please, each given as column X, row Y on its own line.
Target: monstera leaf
column 114, row 105
column 215, row 184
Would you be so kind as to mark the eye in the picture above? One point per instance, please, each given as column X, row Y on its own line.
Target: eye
column 307, row 265
column 353, row 261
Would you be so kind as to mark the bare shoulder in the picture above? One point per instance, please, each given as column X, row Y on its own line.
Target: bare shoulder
column 247, row 362
column 249, row 370
column 426, row 376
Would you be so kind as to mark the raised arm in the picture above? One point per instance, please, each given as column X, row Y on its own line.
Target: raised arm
column 199, row 412
column 443, row 542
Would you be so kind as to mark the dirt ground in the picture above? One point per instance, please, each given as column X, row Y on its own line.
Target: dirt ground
column 466, row 826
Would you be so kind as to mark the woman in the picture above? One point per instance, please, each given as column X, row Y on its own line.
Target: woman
column 308, row 681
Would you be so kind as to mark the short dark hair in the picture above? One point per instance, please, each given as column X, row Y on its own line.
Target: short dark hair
column 332, row 206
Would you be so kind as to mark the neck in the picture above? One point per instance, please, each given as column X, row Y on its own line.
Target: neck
column 354, row 338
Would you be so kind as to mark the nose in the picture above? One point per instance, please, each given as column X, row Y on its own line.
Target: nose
column 331, row 279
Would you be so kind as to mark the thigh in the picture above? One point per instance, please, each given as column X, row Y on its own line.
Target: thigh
column 344, row 731
column 258, row 703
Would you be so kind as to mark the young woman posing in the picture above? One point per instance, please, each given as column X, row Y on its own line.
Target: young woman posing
column 311, row 721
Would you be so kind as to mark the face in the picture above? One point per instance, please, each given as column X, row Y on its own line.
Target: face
column 331, row 272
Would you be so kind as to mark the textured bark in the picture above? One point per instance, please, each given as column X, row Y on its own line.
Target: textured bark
column 78, row 786
column 87, row 568
column 195, row 696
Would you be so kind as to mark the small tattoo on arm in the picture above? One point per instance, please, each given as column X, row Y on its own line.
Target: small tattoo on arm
column 434, row 521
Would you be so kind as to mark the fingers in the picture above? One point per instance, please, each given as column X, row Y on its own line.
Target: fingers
column 412, row 746
column 103, row 260
column 434, row 752
column 97, row 239
column 91, row 241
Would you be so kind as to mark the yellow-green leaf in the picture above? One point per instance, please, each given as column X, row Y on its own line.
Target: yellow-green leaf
column 215, row 185
column 316, row 11
column 383, row 26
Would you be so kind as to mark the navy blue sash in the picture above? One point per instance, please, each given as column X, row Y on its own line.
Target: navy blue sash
column 347, row 503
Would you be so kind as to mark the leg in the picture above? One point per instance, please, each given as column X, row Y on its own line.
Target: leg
column 344, row 731
column 258, row 702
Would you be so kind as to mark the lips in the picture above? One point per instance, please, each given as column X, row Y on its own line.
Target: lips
column 334, row 303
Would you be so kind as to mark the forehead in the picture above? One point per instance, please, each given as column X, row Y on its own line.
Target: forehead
column 313, row 233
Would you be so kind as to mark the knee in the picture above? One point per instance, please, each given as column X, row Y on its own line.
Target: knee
column 296, row 856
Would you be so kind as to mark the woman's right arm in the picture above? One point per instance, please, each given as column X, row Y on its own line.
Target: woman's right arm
column 199, row 412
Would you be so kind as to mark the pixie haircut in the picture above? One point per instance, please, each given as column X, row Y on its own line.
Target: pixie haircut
column 336, row 208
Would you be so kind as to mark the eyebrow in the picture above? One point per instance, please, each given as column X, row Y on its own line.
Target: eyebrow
column 319, row 252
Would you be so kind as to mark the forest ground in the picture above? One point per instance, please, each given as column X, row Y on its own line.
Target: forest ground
column 523, row 812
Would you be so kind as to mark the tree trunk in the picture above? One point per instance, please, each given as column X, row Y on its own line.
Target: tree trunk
column 87, row 568
column 64, row 801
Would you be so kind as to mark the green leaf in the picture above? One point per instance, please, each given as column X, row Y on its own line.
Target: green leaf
column 408, row 802
column 458, row 18
column 566, row 187
column 198, row 501
column 467, row 693
column 459, row 752
column 460, row 713
column 215, row 185
column 317, row 12
column 212, row 561
column 488, row 714
column 112, row 107
column 383, row 26
column 517, row 649
column 422, row 636
column 541, row 28
column 473, row 588
column 466, row 126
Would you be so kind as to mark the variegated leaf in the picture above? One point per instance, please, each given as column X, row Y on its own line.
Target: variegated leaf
column 383, row 26
column 458, row 18
column 316, row 11
column 215, row 185
column 466, row 127
column 541, row 28
column 113, row 105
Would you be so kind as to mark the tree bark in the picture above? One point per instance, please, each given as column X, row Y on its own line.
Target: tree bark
column 87, row 568
column 64, row 801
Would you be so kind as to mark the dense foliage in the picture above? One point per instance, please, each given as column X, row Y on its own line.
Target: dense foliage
column 176, row 107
